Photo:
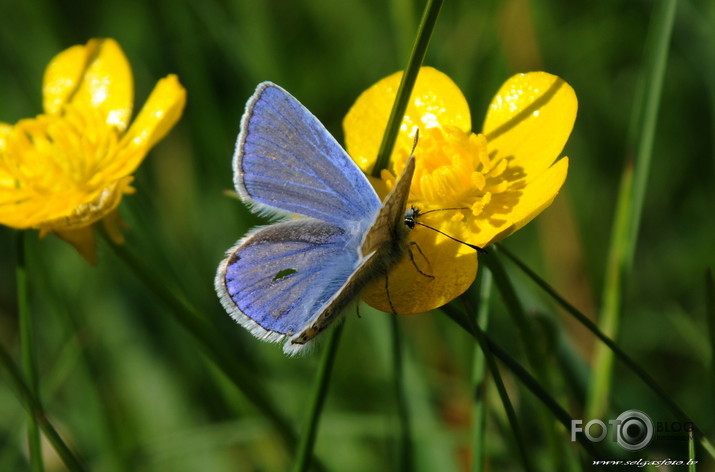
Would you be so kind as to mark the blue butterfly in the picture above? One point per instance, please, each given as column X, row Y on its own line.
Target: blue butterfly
column 292, row 279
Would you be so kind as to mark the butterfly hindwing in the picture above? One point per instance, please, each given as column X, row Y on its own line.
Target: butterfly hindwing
column 286, row 160
column 277, row 278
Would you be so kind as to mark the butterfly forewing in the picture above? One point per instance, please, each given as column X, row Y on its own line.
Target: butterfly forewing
column 286, row 160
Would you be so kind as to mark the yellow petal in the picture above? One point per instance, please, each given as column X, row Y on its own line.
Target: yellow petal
column 83, row 241
column 160, row 113
column 529, row 121
column 435, row 101
column 96, row 76
column 532, row 200
column 62, row 77
column 7, row 181
column 452, row 265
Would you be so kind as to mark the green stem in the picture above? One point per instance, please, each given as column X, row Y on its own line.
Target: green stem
column 34, row 408
column 29, row 367
column 535, row 355
column 304, row 453
column 424, row 33
column 407, row 83
column 691, row 452
column 516, row 310
column 405, row 455
column 479, row 378
column 524, row 377
column 630, row 205
column 619, row 353
column 609, row 319
column 710, row 320
column 209, row 339
column 478, row 333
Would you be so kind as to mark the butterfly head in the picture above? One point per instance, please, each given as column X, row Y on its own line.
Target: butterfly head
column 411, row 215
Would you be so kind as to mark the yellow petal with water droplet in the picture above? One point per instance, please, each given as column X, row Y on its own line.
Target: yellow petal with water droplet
column 529, row 121
column 96, row 75
column 435, row 101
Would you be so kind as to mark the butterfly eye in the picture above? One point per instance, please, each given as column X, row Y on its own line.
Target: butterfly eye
column 411, row 215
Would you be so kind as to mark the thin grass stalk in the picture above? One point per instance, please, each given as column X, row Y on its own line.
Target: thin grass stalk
column 419, row 50
column 304, row 453
column 501, row 389
column 35, row 409
column 630, row 205
column 535, row 356
column 405, row 455
column 479, row 379
column 710, row 320
column 618, row 352
column 691, row 453
column 526, row 379
column 27, row 348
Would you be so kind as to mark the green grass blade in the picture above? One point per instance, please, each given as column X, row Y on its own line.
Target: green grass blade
column 424, row 33
column 609, row 319
column 630, row 205
column 34, row 408
column 691, row 453
column 405, row 449
column 479, row 379
column 304, row 453
column 524, row 455
column 710, row 315
column 535, row 355
column 28, row 352
column 618, row 352
column 524, row 377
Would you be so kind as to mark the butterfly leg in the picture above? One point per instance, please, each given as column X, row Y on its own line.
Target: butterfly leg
column 412, row 259
column 387, row 291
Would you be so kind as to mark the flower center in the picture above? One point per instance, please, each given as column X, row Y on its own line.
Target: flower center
column 54, row 154
column 54, row 169
column 454, row 170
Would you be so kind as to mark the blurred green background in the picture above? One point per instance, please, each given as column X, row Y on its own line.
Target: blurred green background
column 131, row 390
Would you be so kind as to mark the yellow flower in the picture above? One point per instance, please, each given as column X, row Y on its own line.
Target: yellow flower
column 66, row 169
column 483, row 187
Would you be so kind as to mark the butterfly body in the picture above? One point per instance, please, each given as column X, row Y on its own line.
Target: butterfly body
column 292, row 279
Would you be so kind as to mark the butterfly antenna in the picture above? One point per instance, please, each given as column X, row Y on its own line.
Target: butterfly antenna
column 417, row 138
column 476, row 248
column 443, row 209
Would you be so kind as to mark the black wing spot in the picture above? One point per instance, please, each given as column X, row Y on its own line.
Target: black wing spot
column 283, row 273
